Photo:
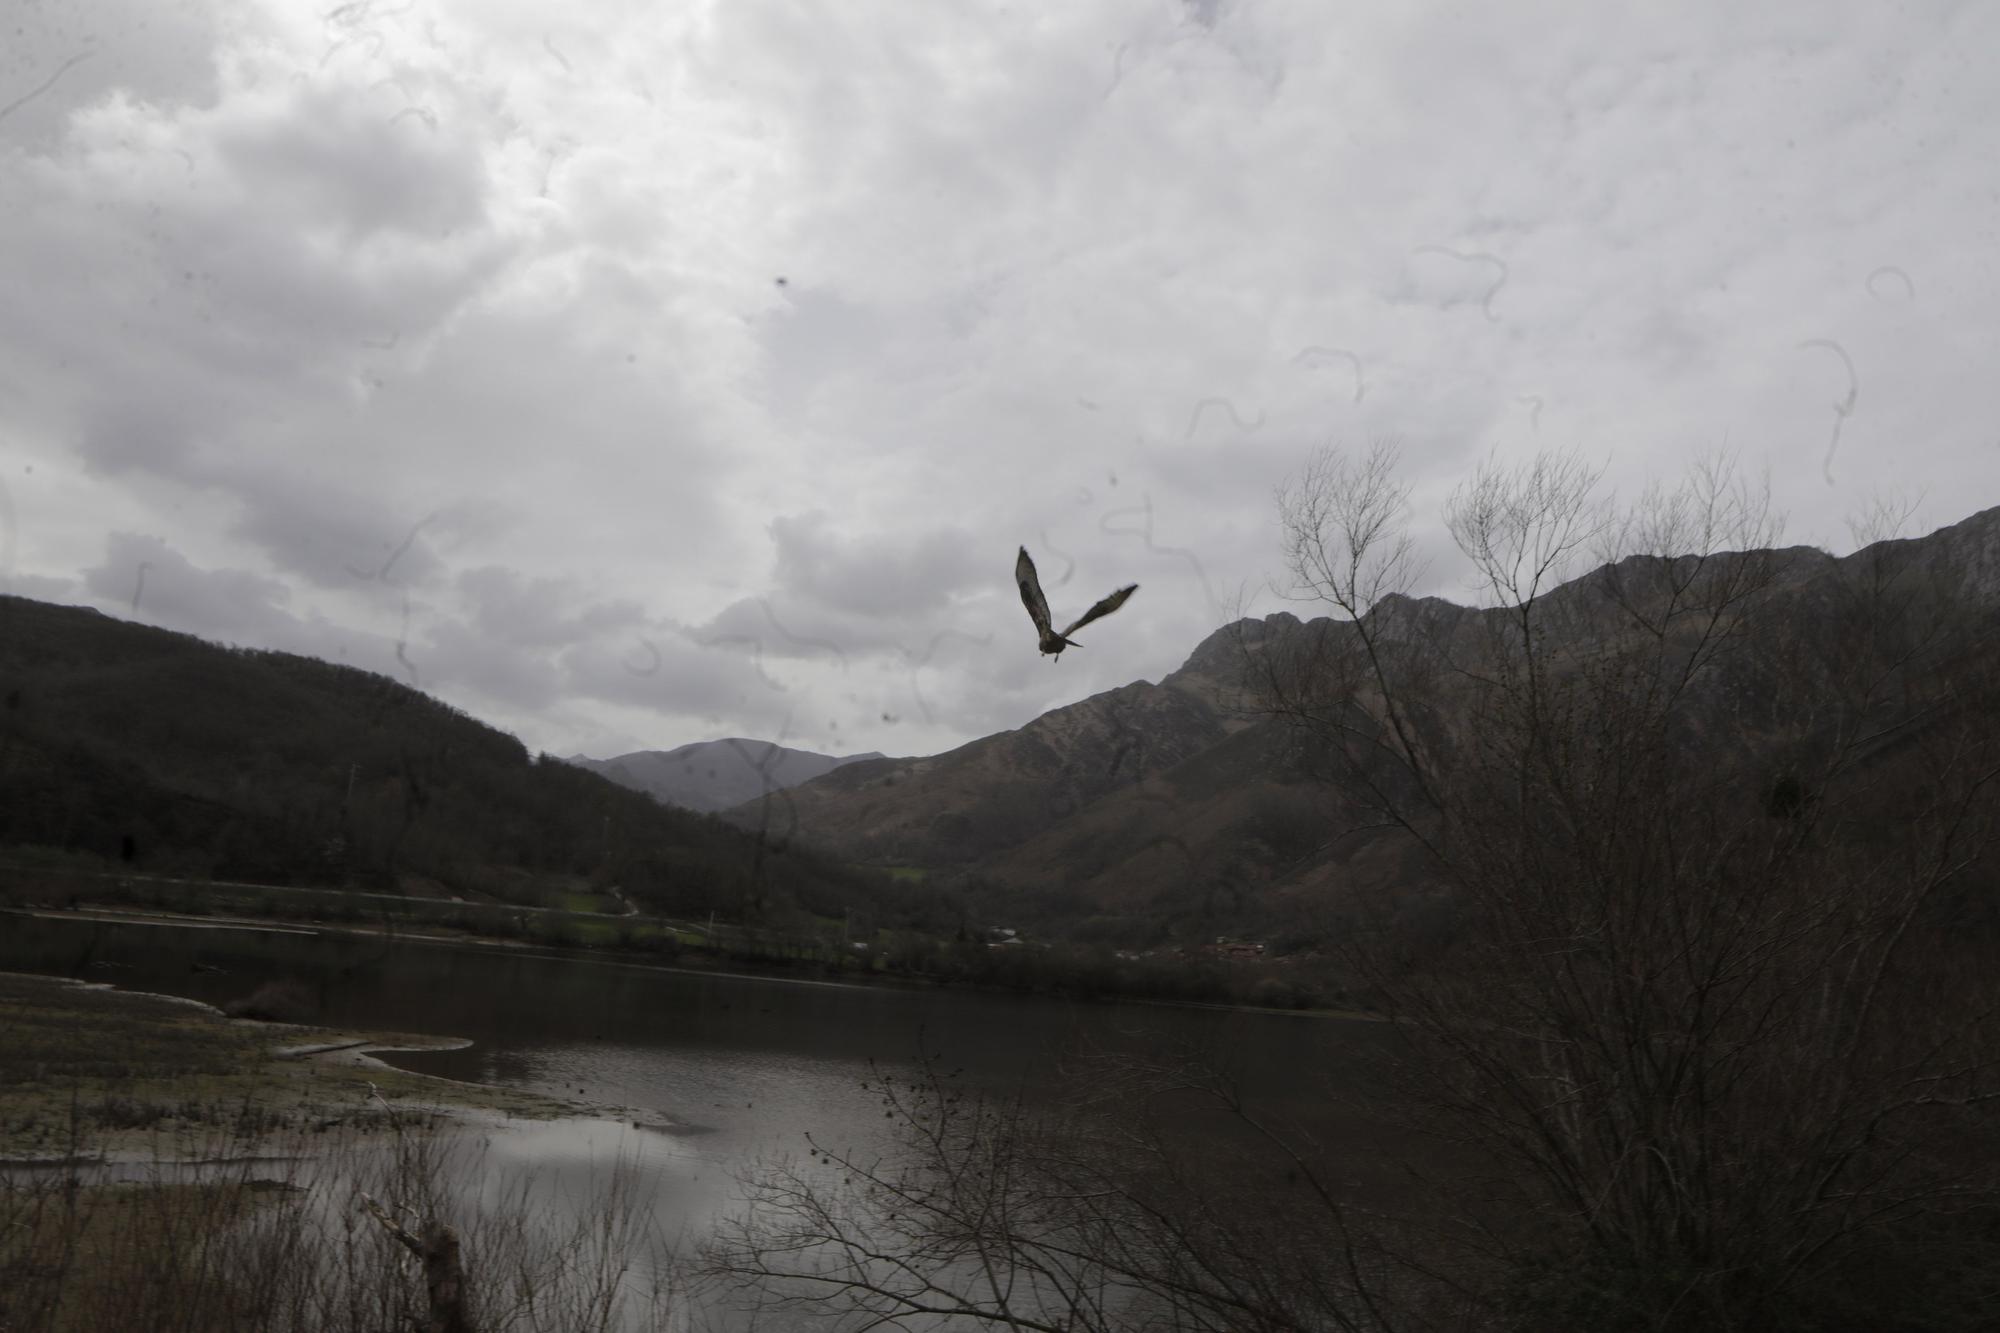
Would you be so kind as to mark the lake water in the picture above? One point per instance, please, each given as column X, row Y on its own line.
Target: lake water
column 740, row 1067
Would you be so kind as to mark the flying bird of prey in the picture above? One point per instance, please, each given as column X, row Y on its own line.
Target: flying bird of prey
column 1038, row 606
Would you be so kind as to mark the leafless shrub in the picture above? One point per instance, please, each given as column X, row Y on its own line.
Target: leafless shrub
column 1702, row 817
column 1078, row 1217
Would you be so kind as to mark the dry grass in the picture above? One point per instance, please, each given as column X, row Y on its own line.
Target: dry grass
column 89, row 1067
column 290, row 1246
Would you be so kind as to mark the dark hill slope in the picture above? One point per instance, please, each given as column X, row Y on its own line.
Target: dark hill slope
column 185, row 757
column 986, row 797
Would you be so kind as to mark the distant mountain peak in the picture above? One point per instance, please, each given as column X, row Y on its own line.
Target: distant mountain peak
column 715, row 775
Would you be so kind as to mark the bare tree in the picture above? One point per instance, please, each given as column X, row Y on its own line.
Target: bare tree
column 1084, row 1216
column 1695, row 813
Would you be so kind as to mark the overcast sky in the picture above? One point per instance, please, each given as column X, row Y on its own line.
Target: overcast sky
column 629, row 373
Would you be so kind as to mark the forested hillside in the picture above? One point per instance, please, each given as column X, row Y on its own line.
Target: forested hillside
column 170, row 755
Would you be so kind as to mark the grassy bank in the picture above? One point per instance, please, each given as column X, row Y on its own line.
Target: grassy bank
column 89, row 1070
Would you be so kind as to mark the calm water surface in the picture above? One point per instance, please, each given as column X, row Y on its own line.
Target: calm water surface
column 740, row 1067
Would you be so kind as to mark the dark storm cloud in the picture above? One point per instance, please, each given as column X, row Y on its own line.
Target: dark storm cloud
column 325, row 529
column 541, row 613
column 76, row 54
column 780, row 626
column 1203, row 12
column 144, row 578
column 41, row 588
column 839, row 599
column 354, row 169
column 535, row 645
column 897, row 574
column 459, row 656
column 666, row 672
column 817, row 333
column 145, row 422
column 210, row 283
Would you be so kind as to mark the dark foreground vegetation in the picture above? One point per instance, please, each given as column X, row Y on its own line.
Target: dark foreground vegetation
column 303, row 1236
column 164, row 1168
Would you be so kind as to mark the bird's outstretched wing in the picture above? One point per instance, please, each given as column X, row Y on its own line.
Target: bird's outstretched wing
column 1031, row 592
column 1103, row 608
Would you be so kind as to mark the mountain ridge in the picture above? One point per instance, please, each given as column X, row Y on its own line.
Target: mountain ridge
column 1177, row 800
column 714, row 775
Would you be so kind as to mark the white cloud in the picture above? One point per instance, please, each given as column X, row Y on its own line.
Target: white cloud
column 755, row 337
